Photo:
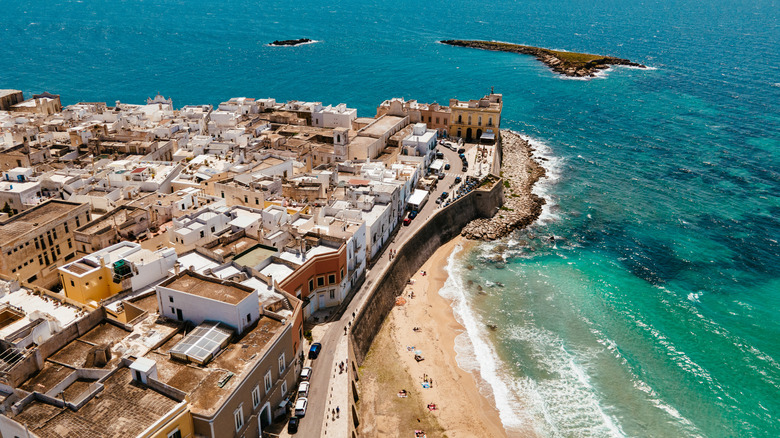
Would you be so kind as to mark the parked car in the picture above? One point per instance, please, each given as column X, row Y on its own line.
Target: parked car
column 306, row 373
column 447, row 166
column 457, row 179
column 462, row 151
column 412, row 214
column 441, row 176
column 300, row 406
column 407, row 221
column 439, row 155
column 315, row 349
column 465, row 168
column 303, row 389
column 462, row 156
column 444, row 195
column 292, row 425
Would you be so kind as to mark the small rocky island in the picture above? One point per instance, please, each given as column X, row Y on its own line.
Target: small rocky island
column 297, row 42
column 565, row 63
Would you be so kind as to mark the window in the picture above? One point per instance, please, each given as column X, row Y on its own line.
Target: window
column 332, row 294
column 202, row 233
column 238, row 416
column 311, row 284
column 170, row 299
column 70, row 244
column 246, row 198
column 267, row 380
column 282, row 364
column 256, row 396
column 212, row 229
column 342, row 273
column 479, row 122
column 175, row 434
column 72, row 283
column 320, row 281
column 332, row 279
column 78, row 223
column 223, row 194
column 248, row 317
column 284, row 388
column 257, row 201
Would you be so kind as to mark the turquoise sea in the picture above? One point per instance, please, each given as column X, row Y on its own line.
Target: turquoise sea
column 656, row 310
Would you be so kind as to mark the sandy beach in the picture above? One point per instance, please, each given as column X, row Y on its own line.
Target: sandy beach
column 461, row 411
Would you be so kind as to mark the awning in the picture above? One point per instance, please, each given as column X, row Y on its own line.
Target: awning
column 487, row 136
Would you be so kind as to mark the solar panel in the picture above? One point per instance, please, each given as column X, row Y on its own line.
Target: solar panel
column 201, row 344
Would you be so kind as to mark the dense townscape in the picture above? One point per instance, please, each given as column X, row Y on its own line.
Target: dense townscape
column 162, row 267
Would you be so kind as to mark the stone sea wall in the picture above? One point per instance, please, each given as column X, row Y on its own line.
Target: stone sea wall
column 521, row 207
column 443, row 226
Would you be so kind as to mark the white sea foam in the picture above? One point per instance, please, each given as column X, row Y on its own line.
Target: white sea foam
column 553, row 167
column 566, row 405
column 476, row 354
column 567, row 400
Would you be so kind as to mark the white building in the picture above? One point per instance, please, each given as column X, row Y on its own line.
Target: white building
column 334, row 117
column 197, row 298
column 422, row 142
column 200, row 227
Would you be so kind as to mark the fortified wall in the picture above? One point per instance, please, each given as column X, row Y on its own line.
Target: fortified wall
column 442, row 227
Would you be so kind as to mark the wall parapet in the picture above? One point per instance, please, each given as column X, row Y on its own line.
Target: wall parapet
column 442, row 227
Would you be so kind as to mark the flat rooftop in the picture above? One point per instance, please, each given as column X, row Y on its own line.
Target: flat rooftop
column 205, row 287
column 28, row 303
column 380, row 127
column 29, row 220
column 202, row 383
column 123, row 408
column 255, row 256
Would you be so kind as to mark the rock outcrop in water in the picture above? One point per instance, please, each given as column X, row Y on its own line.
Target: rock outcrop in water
column 565, row 63
column 521, row 207
column 291, row 42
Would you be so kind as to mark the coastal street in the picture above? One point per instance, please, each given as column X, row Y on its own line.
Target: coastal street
column 327, row 393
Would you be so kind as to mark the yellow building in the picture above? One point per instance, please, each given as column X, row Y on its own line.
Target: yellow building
column 176, row 423
column 477, row 120
column 118, row 268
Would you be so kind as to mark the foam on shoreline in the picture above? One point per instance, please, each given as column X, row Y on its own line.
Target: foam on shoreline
column 475, row 354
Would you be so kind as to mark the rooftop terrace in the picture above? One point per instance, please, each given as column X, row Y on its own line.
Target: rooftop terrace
column 194, row 284
column 29, row 220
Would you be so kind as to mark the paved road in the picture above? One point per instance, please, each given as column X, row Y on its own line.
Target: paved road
column 323, row 366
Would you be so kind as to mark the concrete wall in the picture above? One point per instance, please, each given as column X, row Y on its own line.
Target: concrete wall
column 33, row 362
column 442, row 227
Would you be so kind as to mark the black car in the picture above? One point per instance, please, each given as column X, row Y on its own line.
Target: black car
column 292, row 425
column 446, row 167
column 462, row 151
column 315, row 349
column 465, row 168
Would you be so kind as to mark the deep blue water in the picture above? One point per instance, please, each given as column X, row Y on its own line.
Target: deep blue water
column 657, row 311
